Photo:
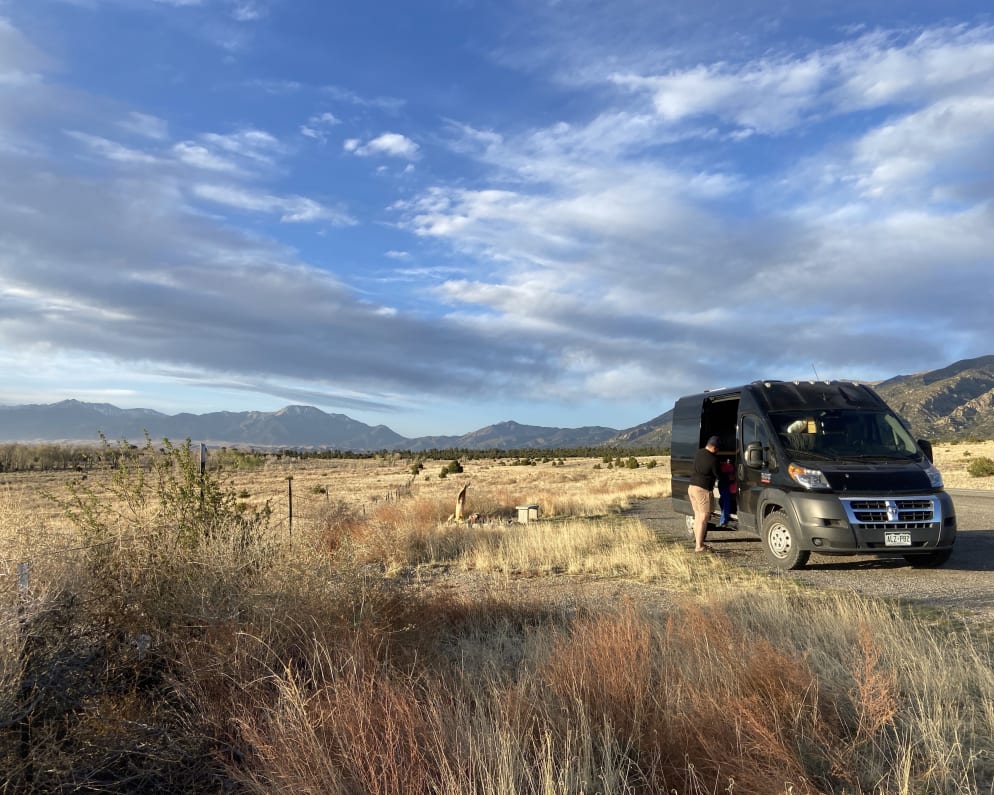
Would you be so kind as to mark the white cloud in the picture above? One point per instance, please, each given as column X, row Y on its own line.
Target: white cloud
column 248, row 10
column 388, row 144
column 251, row 144
column 318, row 125
column 112, row 150
column 21, row 62
column 778, row 93
column 607, row 231
column 388, row 104
column 199, row 156
column 933, row 150
column 146, row 126
column 291, row 209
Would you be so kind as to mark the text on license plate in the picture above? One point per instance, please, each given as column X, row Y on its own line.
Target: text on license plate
column 897, row 539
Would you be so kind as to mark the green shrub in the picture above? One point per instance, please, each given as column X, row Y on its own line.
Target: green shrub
column 981, row 467
column 168, row 503
column 451, row 468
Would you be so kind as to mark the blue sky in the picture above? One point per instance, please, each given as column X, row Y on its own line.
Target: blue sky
column 441, row 215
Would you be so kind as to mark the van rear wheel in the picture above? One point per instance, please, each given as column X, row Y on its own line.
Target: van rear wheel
column 781, row 544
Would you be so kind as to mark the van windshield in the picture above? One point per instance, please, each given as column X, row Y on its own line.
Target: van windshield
column 835, row 433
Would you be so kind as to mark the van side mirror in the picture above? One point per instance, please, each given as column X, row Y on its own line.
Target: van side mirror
column 754, row 455
column 926, row 447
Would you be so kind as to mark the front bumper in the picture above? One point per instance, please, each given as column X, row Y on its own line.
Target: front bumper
column 860, row 523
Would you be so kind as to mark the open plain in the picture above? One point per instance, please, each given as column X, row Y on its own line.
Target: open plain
column 326, row 626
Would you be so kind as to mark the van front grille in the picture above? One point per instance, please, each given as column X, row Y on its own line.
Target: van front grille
column 892, row 513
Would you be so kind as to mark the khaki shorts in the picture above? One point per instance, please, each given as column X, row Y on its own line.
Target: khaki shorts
column 701, row 499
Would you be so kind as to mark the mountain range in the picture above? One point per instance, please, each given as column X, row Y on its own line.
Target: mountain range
column 953, row 402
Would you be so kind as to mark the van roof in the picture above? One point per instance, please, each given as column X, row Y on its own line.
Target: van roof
column 779, row 395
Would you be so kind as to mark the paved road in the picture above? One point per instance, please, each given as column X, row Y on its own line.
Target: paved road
column 965, row 582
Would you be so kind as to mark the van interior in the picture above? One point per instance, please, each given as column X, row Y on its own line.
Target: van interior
column 720, row 419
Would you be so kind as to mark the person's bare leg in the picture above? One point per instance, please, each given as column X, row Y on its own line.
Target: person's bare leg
column 701, row 501
column 700, row 531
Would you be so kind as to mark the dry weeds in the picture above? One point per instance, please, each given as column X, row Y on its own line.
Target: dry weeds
column 333, row 656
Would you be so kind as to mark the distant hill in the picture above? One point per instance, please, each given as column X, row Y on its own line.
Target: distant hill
column 953, row 402
column 514, row 436
column 654, row 433
column 292, row 426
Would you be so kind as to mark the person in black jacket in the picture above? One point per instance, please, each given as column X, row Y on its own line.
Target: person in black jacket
column 701, row 490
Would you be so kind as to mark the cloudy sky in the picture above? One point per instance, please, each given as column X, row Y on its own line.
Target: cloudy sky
column 443, row 214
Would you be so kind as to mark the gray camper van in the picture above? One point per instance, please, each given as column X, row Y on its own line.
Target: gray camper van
column 821, row 466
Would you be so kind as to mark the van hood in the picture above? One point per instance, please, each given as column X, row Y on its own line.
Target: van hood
column 874, row 476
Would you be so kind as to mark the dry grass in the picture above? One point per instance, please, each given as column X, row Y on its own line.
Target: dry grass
column 331, row 659
column 953, row 460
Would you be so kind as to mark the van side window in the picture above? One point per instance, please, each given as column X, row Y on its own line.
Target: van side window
column 754, row 430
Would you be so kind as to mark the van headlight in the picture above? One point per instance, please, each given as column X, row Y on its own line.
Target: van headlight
column 809, row 478
column 934, row 477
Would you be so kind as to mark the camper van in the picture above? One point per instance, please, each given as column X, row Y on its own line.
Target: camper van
column 819, row 466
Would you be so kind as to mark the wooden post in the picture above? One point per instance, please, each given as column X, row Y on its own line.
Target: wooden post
column 23, row 588
column 203, row 472
column 289, row 491
column 460, row 503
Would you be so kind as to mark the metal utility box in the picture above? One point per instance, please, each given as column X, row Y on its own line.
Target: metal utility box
column 527, row 513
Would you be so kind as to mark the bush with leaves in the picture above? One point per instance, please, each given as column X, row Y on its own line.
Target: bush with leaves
column 164, row 542
column 166, row 556
column 452, row 468
column 160, row 495
column 981, row 467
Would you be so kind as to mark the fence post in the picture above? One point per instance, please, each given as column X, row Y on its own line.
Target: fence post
column 23, row 588
column 203, row 475
column 289, row 489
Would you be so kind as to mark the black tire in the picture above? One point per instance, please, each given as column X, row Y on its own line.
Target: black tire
column 781, row 544
column 929, row 560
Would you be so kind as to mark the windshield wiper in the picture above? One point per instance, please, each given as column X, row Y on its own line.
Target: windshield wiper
column 812, row 454
column 884, row 456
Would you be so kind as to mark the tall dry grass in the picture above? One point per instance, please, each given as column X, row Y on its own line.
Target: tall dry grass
column 331, row 660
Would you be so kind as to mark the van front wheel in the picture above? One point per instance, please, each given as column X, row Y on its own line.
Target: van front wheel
column 780, row 541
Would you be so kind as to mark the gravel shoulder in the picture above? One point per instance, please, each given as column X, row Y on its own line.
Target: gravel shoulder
column 964, row 584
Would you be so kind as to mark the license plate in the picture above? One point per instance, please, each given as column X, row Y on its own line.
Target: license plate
column 897, row 539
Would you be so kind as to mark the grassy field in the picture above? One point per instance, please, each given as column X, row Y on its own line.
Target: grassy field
column 182, row 637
